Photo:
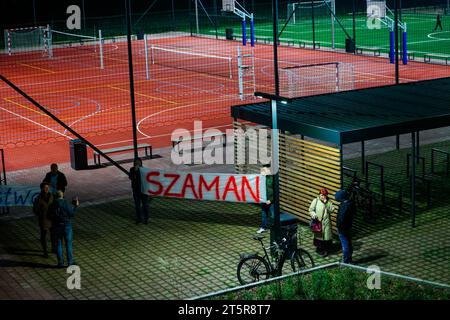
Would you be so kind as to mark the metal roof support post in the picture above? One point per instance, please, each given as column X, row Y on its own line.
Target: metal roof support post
column 413, row 179
column 276, row 179
column 363, row 157
column 341, row 156
column 418, row 146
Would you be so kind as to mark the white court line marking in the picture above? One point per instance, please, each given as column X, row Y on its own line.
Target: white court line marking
column 172, row 109
column 431, row 36
column 36, row 68
column 36, row 123
column 98, row 109
column 158, row 136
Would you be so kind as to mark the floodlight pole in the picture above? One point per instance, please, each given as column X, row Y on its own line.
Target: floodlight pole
column 130, row 70
column 354, row 22
column 84, row 14
column 196, row 16
column 397, row 80
column 313, row 21
column 34, row 13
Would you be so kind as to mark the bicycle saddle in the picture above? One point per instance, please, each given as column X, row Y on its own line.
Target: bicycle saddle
column 258, row 237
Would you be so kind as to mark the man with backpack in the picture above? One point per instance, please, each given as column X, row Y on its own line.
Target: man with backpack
column 61, row 214
column 344, row 223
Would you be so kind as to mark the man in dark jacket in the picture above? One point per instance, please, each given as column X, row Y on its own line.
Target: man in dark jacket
column 41, row 207
column 344, row 222
column 56, row 179
column 267, row 208
column 140, row 199
column 61, row 214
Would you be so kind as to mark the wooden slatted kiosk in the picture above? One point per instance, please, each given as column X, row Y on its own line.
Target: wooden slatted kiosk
column 330, row 121
column 305, row 168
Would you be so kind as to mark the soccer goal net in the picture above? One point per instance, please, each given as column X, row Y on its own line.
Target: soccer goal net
column 306, row 80
column 304, row 10
column 31, row 39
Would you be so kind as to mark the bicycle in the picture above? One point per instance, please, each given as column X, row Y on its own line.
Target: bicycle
column 363, row 198
column 254, row 267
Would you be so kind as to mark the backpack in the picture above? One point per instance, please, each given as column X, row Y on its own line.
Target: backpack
column 56, row 213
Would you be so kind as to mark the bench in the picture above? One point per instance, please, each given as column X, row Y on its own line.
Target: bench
column 411, row 55
column 447, row 159
column 427, row 57
column 349, row 172
column 419, row 159
column 303, row 43
column 427, row 183
column 382, row 182
column 199, row 136
column 263, row 39
column 145, row 146
column 376, row 51
column 399, row 188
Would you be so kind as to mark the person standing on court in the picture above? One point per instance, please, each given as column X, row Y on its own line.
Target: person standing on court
column 321, row 209
column 267, row 208
column 140, row 199
column 56, row 179
column 61, row 214
column 438, row 22
column 41, row 207
column 344, row 223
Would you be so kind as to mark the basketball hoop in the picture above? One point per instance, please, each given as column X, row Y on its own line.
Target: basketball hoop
column 376, row 9
column 228, row 5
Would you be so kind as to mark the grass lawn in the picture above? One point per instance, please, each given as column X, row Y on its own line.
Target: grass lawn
column 421, row 37
column 340, row 284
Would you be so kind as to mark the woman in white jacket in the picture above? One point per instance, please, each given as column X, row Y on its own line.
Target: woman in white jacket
column 321, row 208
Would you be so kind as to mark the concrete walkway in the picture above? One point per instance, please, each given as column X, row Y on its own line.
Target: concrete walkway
column 189, row 248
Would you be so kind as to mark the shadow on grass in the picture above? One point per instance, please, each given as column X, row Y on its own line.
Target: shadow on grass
column 23, row 252
column 371, row 256
column 189, row 211
column 15, row 264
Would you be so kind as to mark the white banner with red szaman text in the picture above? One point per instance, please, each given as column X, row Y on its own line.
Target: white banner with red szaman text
column 248, row 188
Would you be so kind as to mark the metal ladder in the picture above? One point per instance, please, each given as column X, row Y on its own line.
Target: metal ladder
column 246, row 73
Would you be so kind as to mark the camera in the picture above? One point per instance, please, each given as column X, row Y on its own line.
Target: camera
column 75, row 201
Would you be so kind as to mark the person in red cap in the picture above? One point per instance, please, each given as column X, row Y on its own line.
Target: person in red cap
column 320, row 210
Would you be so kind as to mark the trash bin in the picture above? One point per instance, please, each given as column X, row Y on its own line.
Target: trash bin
column 78, row 154
column 350, row 45
column 229, row 33
column 289, row 230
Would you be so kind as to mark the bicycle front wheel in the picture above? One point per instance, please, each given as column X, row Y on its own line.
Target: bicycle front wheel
column 252, row 269
column 301, row 260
